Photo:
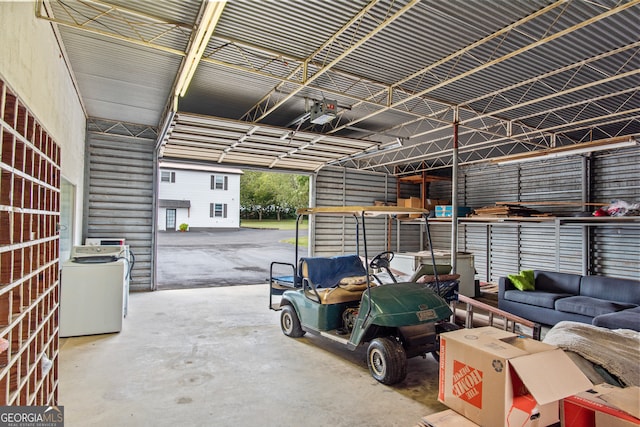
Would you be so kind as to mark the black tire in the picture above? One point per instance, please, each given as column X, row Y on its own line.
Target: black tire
column 290, row 323
column 436, row 355
column 387, row 360
column 445, row 327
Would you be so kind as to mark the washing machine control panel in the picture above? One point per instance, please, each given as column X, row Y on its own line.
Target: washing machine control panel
column 95, row 251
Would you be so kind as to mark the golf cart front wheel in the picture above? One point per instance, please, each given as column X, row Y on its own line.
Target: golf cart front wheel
column 443, row 327
column 387, row 360
column 290, row 323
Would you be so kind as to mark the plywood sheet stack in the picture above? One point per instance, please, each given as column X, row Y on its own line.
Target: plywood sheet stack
column 506, row 211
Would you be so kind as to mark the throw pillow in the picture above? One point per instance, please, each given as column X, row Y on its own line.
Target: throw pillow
column 523, row 281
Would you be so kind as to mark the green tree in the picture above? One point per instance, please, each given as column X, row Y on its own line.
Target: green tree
column 264, row 193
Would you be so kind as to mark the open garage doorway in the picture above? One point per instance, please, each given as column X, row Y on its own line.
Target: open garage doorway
column 230, row 224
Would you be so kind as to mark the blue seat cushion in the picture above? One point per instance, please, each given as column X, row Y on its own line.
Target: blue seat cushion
column 539, row 298
column 590, row 306
column 327, row 272
column 625, row 319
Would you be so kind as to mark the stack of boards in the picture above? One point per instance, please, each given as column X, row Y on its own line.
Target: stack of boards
column 507, row 211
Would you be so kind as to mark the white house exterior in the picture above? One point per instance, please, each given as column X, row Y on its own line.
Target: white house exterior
column 198, row 195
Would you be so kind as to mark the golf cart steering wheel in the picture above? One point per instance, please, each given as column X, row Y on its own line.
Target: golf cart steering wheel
column 382, row 260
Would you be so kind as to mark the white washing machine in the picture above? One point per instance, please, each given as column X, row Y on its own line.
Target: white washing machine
column 91, row 291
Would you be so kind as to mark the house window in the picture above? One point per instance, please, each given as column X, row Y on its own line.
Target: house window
column 218, row 210
column 219, row 182
column 167, row 176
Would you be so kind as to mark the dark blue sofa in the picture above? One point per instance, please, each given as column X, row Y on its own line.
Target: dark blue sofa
column 599, row 300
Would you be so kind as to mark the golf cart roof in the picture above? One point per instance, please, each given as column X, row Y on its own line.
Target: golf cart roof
column 361, row 210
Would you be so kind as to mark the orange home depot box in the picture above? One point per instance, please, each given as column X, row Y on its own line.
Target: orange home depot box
column 497, row 378
column 603, row 406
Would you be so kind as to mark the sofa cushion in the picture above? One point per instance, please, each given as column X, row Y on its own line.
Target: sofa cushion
column 611, row 288
column 552, row 281
column 539, row 298
column 590, row 306
column 625, row 319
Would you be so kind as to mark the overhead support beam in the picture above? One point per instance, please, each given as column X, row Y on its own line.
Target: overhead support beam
column 554, row 95
column 260, row 108
column 541, row 77
column 133, row 19
column 457, row 54
column 493, row 62
column 265, row 111
column 437, row 151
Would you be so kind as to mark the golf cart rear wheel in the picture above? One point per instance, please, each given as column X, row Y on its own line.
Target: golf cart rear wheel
column 290, row 323
column 387, row 360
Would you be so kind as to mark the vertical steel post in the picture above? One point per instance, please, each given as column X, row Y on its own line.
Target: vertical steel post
column 454, row 195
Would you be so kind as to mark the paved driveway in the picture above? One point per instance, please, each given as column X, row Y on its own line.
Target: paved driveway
column 220, row 257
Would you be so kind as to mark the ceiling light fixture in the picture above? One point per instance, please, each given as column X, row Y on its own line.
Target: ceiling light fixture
column 323, row 112
column 397, row 143
column 210, row 16
column 568, row 150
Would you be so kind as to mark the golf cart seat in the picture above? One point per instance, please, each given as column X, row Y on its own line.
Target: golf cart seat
column 335, row 279
column 343, row 293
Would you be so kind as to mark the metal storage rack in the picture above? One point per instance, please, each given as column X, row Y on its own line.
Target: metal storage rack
column 555, row 225
column 29, row 245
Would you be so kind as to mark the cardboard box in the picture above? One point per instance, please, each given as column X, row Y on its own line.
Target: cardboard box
column 411, row 202
column 446, row 211
column 447, row 418
column 414, row 202
column 497, row 378
column 403, row 204
column 603, row 406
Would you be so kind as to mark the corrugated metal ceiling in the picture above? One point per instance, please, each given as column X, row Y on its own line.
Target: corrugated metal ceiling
column 523, row 75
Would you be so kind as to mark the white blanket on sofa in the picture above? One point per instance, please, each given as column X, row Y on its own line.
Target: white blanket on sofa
column 617, row 351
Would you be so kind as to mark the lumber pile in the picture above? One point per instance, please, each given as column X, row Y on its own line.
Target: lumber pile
column 507, row 211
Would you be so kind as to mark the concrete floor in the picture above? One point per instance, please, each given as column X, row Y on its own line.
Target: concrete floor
column 217, row 357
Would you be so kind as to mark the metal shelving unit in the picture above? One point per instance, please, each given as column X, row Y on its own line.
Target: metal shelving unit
column 555, row 226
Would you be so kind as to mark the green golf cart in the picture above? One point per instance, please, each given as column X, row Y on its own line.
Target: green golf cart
column 343, row 299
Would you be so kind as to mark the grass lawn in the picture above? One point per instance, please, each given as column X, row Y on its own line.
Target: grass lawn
column 303, row 241
column 285, row 224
